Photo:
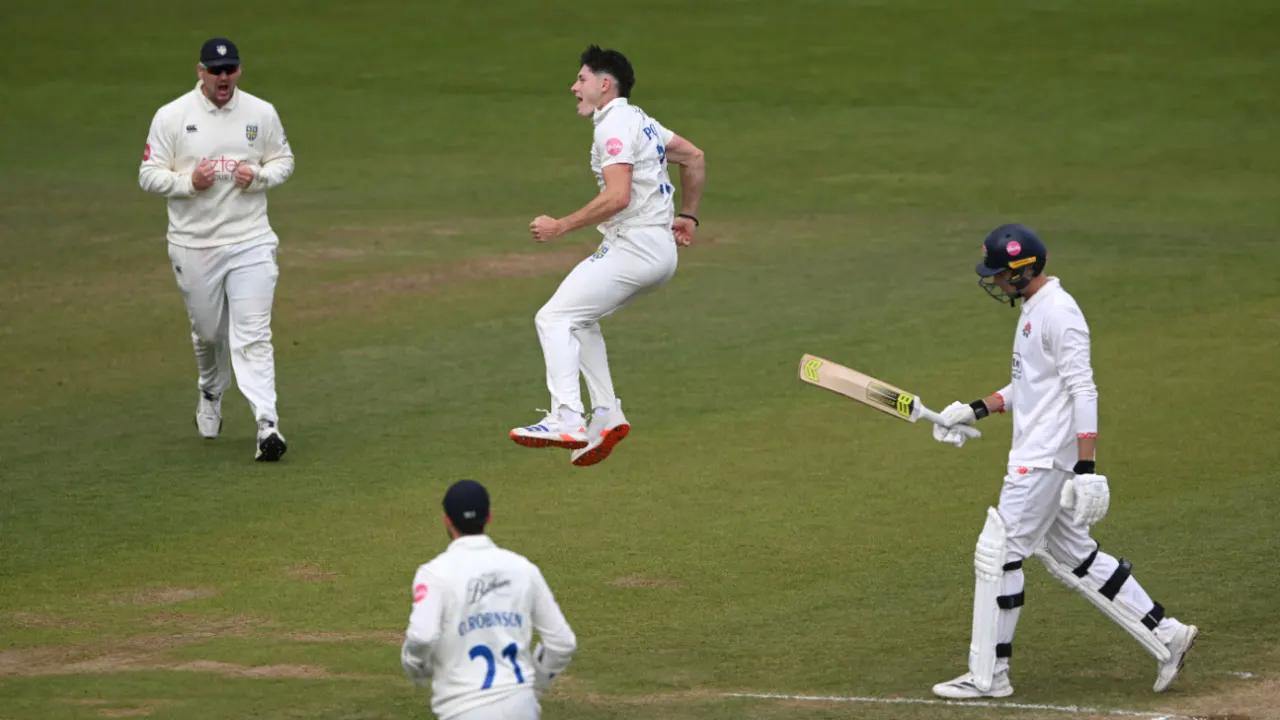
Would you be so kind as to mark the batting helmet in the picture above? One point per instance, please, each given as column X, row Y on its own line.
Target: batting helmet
column 1015, row 248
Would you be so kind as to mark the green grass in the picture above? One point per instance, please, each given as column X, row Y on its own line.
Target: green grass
column 753, row 535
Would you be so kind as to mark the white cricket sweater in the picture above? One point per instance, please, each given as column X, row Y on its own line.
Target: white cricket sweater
column 190, row 129
column 475, row 607
column 1052, row 394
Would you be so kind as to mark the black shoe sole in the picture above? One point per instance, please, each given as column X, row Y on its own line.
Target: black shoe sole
column 271, row 449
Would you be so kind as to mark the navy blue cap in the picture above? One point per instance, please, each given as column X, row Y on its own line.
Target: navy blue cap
column 219, row 52
column 466, row 502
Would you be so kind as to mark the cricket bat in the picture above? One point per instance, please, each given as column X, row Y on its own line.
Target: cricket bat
column 870, row 391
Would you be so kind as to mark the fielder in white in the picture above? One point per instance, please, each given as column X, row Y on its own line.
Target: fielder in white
column 1052, row 492
column 475, row 607
column 214, row 152
column 635, row 212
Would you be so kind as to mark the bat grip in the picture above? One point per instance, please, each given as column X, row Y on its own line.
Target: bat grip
column 968, row 431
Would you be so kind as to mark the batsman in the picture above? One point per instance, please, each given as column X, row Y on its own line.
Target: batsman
column 1052, row 491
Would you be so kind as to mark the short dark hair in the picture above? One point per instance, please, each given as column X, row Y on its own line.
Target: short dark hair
column 613, row 62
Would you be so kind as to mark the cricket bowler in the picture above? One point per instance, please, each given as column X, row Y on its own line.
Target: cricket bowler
column 213, row 153
column 635, row 212
column 475, row 607
column 1052, row 490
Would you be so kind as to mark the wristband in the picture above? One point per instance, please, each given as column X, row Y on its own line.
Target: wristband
column 691, row 217
column 979, row 409
column 1085, row 467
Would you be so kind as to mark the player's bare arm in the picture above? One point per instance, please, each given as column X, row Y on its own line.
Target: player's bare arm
column 693, row 173
column 609, row 202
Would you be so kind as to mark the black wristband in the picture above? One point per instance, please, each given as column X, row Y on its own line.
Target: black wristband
column 979, row 409
column 1085, row 467
column 691, row 217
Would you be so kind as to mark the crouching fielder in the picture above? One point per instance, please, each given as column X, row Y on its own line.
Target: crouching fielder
column 475, row 607
column 1052, row 492
column 635, row 213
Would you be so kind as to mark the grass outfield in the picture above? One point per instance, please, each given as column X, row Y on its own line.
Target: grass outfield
column 753, row 534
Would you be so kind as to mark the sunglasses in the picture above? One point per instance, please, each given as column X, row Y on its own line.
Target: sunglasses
column 222, row 70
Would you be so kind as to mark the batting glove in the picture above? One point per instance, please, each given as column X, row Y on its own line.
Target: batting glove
column 1086, row 494
column 957, row 413
column 949, row 436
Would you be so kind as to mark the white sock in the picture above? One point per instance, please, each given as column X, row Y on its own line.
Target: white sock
column 569, row 416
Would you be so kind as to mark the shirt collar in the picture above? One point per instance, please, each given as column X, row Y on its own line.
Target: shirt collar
column 598, row 115
column 208, row 105
column 1048, row 288
column 471, row 542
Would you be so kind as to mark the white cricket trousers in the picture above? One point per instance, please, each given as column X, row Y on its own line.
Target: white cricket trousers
column 628, row 263
column 517, row 706
column 228, row 291
column 1032, row 514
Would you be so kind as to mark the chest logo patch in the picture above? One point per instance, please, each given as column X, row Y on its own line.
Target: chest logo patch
column 1026, row 330
column 419, row 593
column 251, row 132
column 613, row 146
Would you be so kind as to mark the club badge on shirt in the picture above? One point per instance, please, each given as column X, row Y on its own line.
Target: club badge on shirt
column 251, row 132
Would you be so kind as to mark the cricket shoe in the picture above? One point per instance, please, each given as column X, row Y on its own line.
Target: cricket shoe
column 209, row 415
column 605, row 430
column 964, row 688
column 271, row 443
column 1178, row 646
column 551, row 431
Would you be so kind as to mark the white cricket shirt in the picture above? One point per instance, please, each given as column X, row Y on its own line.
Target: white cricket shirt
column 625, row 134
column 1052, row 395
column 190, row 129
column 475, row 607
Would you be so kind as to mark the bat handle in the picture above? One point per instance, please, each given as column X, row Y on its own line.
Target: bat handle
column 968, row 431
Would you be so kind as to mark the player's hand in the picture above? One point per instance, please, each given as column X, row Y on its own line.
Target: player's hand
column 958, row 413
column 202, row 177
column 545, row 227
column 1087, row 496
column 683, row 228
column 245, row 173
column 949, row 436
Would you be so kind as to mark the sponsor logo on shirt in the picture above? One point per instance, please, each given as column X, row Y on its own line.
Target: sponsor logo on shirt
column 419, row 593
column 613, row 146
column 478, row 587
column 192, row 128
column 1017, row 366
column 146, row 151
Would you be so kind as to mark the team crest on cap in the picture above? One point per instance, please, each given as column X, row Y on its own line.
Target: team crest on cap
column 251, row 132
column 222, row 49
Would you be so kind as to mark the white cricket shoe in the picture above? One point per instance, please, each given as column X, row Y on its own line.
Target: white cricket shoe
column 1178, row 646
column 963, row 687
column 209, row 415
column 551, row 431
column 605, row 430
column 271, row 443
